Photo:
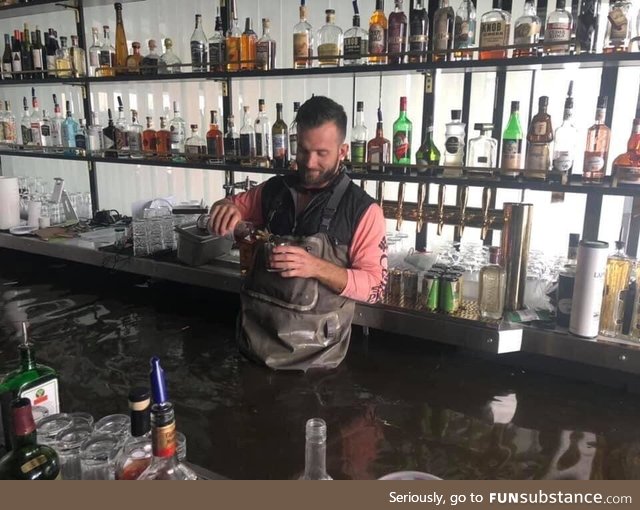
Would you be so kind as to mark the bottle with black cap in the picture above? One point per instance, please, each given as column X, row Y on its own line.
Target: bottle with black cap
column 483, row 150
column 136, row 453
column 566, row 280
column 454, row 144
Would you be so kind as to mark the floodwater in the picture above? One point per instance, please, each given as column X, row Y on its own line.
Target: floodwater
column 395, row 403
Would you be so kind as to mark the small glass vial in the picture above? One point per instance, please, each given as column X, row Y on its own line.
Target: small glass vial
column 195, row 147
column 493, row 283
column 315, row 453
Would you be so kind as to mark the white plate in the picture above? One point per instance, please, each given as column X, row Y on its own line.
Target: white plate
column 22, row 230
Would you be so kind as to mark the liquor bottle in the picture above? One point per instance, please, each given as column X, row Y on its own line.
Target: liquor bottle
column 94, row 52
column 564, row 147
column 36, row 120
column 95, row 136
column 122, row 50
column 356, row 42
column 557, row 33
column 359, row 138
column 302, row 40
column 45, row 129
column 16, row 56
column 329, row 41
column 28, row 460
column 9, row 126
column 134, row 61
column 38, row 383
column 151, row 60
column 263, row 134
column 454, row 145
column 626, row 167
column 483, row 150
column 233, row 45
column 293, row 132
column 64, row 65
column 465, row 30
column 618, row 27
column 199, row 48
column 597, row 149
column 493, row 284
column 7, row 59
column 248, row 42
column 25, row 124
column 56, row 124
column 280, row 139
column 512, row 144
column 616, row 283
column 136, row 452
column 378, row 26
column 25, row 53
column 217, row 46
column 402, row 129
column 494, row 32
column 122, row 128
column 149, row 139
column 444, row 23
column 428, row 155
column 527, row 31
column 231, row 142
column 69, row 131
column 169, row 62
column 52, row 50
column 397, row 34
column 195, row 147
column 134, row 136
column 81, row 138
column 215, row 140
column 418, row 32
column 109, row 137
column 266, row 48
column 178, row 130
column 315, row 451
column 165, row 464
column 37, row 55
column 378, row 148
column 539, row 138
column 78, row 62
column 587, row 26
column 163, row 139
column 247, row 139
column 107, row 55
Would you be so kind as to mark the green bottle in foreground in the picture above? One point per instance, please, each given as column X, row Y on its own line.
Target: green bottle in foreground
column 38, row 383
column 28, row 460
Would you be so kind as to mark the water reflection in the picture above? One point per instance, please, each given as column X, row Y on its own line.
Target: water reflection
column 395, row 404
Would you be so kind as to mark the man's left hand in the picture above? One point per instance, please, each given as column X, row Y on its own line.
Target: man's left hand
column 294, row 261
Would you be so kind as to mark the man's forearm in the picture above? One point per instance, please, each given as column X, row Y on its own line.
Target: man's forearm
column 331, row 276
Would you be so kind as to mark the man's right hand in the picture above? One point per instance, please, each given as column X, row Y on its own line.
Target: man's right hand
column 223, row 217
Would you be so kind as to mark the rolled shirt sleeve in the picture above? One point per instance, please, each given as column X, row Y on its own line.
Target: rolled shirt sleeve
column 250, row 205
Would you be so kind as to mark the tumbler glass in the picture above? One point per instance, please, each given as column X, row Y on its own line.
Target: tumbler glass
column 67, row 445
column 48, row 428
column 116, row 425
column 97, row 457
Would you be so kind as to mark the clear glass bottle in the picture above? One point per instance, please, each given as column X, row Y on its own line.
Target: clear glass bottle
column 557, row 33
column 95, row 136
column 402, row 131
column 465, row 30
column 247, row 139
column 248, row 42
column 293, row 132
column 263, row 135
column 597, row 148
column 618, row 27
column 539, row 138
column 178, row 129
column 149, row 141
column 315, row 452
column 493, row 282
column 564, row 147
column 199, row 48
column 378, row 148
column 233, row 46
column 25, row 124
column 78, row 61
column 483, row 150
column 45, row 129
column 151, row 60
column 280, row 140
column 107, row 56
column 81, row 138
column 94, row 52
column 9, row 126
column 109, row 137
column 137, row 451
column 359, row 138
column 397, row 34
column 169, row 62
column 56, row 124
column 134, row 136
column 512, row 144
column 36, row 120
column 329, row 41
column 163, row 140
column 266, row 48
column 134, row 61
column 356, row 43
column 69, row 131
column 122, row 128
column 303, row 41
column 215, row 140
column 454, row 145
column 217, row 46
column 428, row 155
column 195, row 147
column 444, row 26
column 418, row 32
column 64, row 65
column 495, row 26
column 587, row 26
column 527, row 31
column 231, row 141
column 616, row 279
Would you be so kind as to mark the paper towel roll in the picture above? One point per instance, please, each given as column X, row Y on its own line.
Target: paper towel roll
column 9, row 203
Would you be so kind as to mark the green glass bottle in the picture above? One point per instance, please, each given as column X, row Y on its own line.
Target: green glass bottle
column 402, row 138
column 512, row 144
column 38, row 383
column 428, row 155
column 28, row 460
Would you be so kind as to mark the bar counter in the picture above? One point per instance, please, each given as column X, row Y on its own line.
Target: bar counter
column 396, row 403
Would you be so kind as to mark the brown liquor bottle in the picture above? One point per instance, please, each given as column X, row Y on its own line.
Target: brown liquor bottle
column 539, row 138
column 122, row 51
column 397, row 34
column 163, row 139
column 215, row 140
column 135, row 59
column 248, row 43
column 444, row 22
column 149, row 139
column 378, row 148
column 378, row 26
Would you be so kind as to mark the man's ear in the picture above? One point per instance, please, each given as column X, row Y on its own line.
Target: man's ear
column 344, row 151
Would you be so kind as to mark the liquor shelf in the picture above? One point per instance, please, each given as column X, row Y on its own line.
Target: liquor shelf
column 48, row 6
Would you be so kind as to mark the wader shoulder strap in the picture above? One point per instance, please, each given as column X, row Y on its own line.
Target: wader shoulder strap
column 330, row 209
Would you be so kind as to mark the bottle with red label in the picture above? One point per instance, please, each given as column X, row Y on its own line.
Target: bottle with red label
column 38, row 383
column 402, row 128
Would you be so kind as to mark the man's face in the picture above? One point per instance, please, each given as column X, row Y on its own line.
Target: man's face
column 320, row 151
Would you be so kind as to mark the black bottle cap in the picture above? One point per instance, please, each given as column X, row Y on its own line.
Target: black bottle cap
column 456, row 114
column 296, row 106
column 138, row 394
column 140, row 407
column 543, row 101
column 574, row 240
column 560, row 4
column 515, row 106
column 360, row 106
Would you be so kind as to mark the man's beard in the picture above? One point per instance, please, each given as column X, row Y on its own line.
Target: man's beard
column 319, row 180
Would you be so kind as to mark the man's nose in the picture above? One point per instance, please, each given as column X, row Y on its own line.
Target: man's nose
column 311, row 160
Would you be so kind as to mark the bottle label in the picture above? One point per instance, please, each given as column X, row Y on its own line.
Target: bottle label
column 353, row 48
column 377, row 39
column 34, row 463
column 511, row 154
column 45, row 130
column 558, row 32
column 562, row 161
column 121, row 139
column 16, row 65
column 593, row 163
column 164, row 440
column 396, row 38
column 94, row 142
column 212, row 147
column 441, row 38
column 216, row 55
column 135, row 142
column 9, row 130
column 301, row 47
column 418, row 42
column 263, row 55
column 358, row 150
column 537, row 157
column 493, row 33
column 194, row 149
column 401, row 146
column 280, row 146
column 105, row 59
column 233, row 51
column 482, row 161
column 452, row 144
column 26, row 134
column 526, row 33
column 45, row 395
column 231, row 147
column 247, row 145
column 539, row 128
column 37, row 59
column 94, row 58
column 293, row 143
column 262, row 145
column 564, row 306
column 619, row 24
column 626, row 174
column 36, row 133
column 375, row 156
column 198, row 55
column 6, row 70
column 328, row 53
column 464, row 32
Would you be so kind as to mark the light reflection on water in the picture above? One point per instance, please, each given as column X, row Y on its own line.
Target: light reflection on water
column 395, row 404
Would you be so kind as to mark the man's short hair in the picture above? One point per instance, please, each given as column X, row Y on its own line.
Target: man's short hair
column 320, row 109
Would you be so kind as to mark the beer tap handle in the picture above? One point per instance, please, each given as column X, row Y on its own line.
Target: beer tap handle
column 400, row 208
column 486, row 202
column 441, row 195
column 422, row 195
column 464, row 198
